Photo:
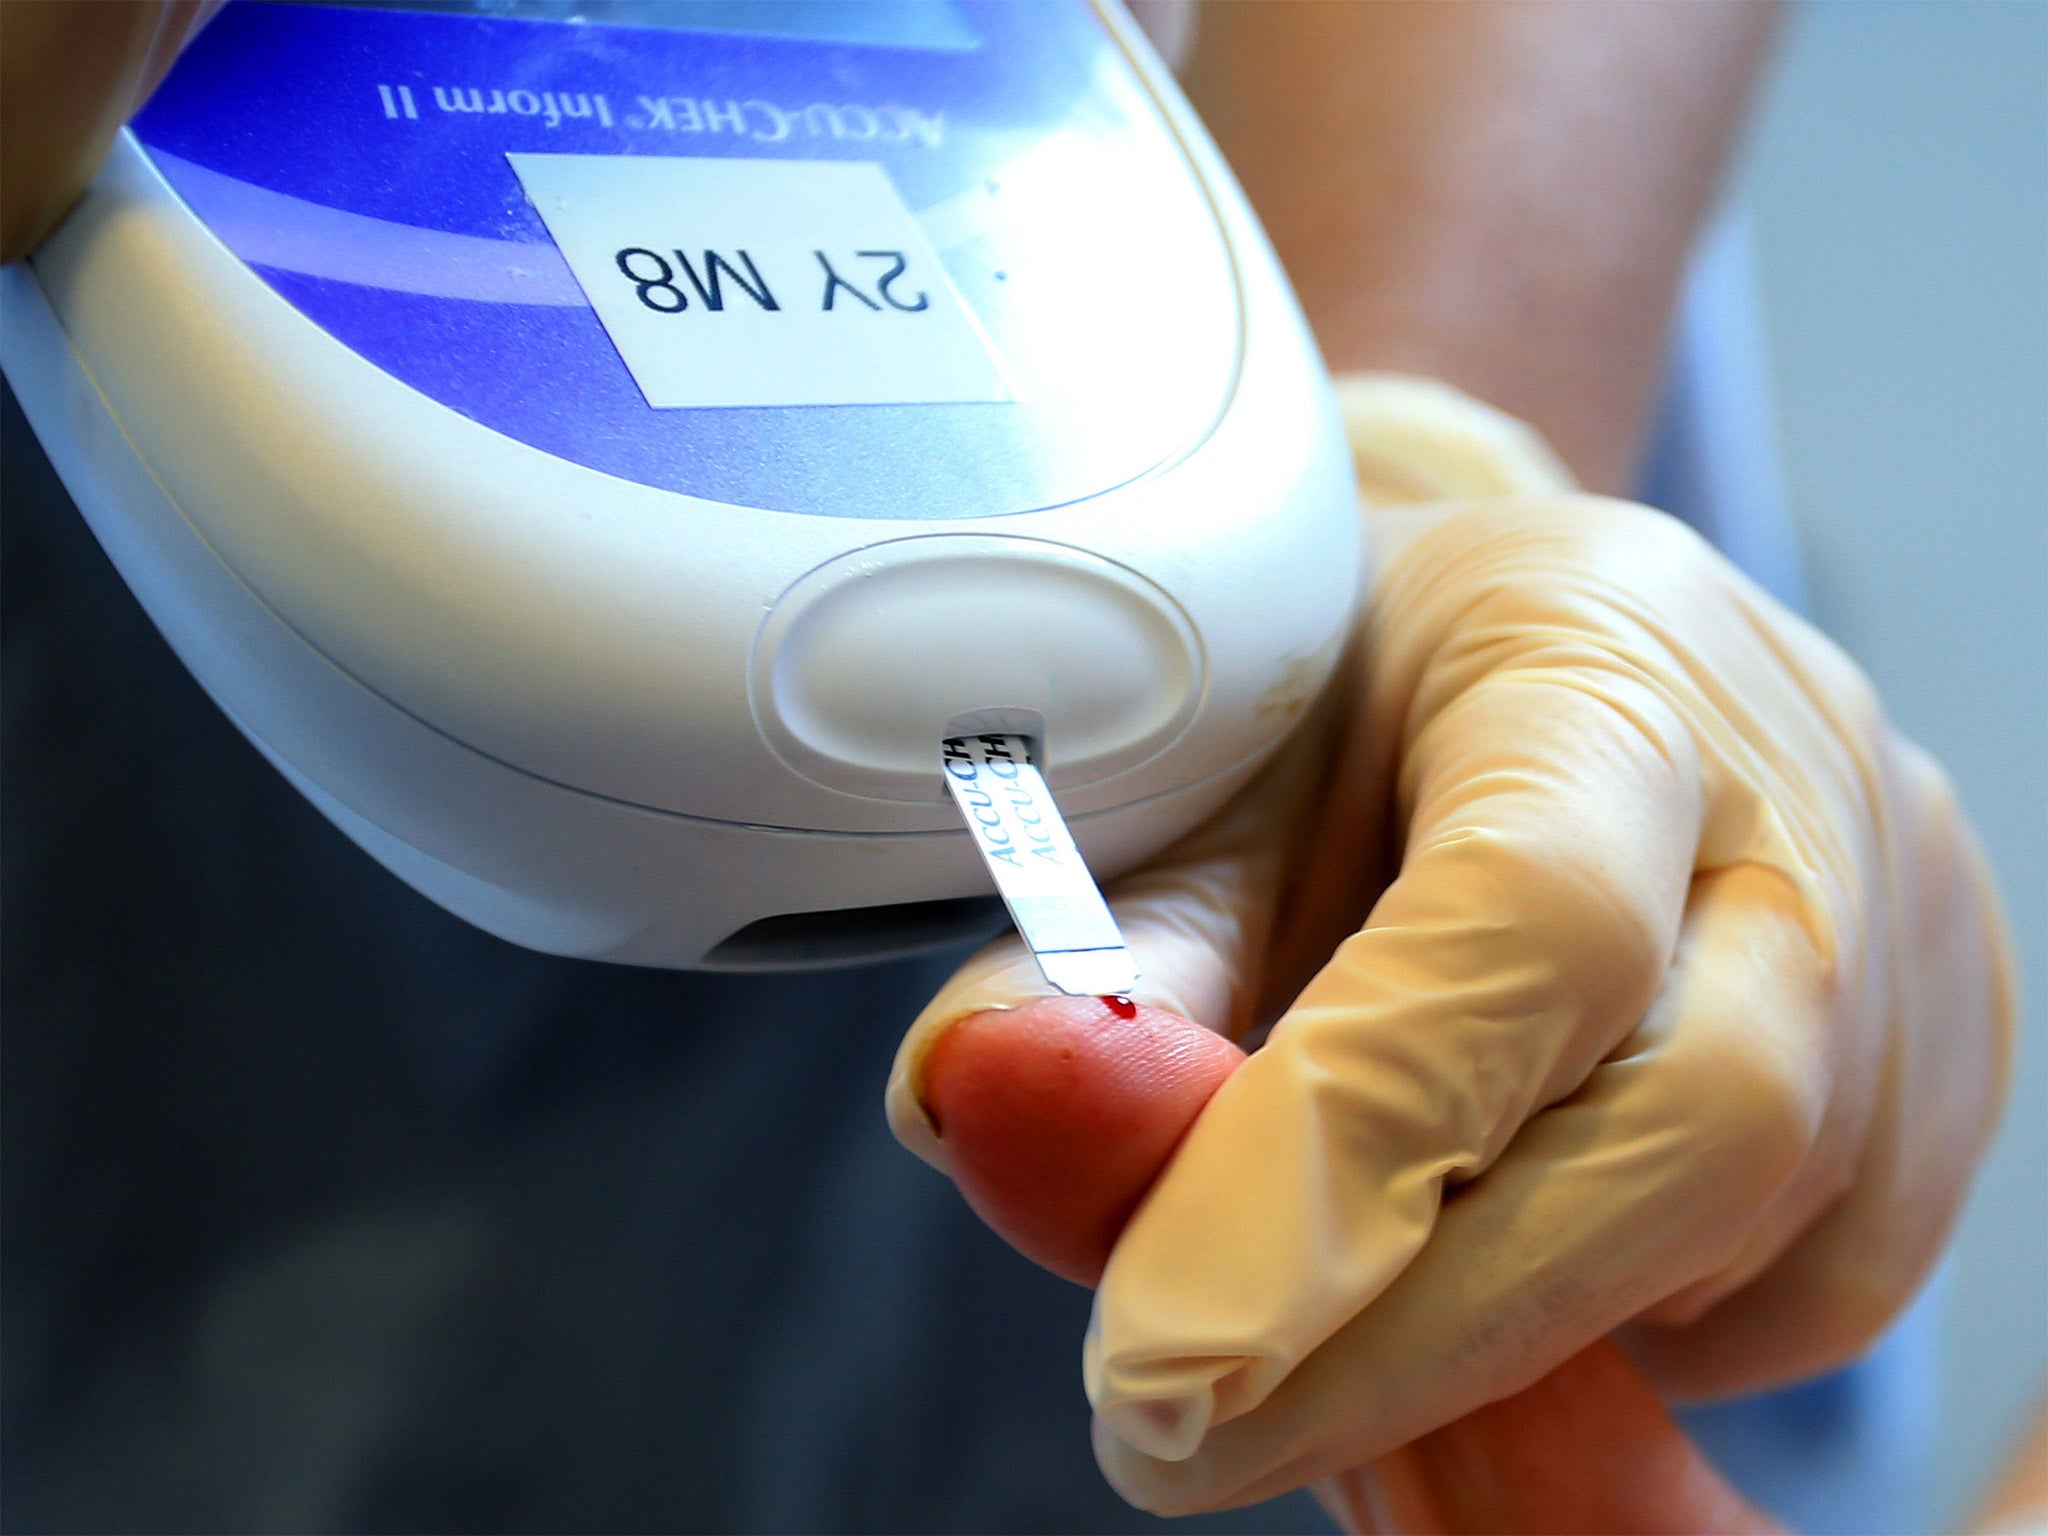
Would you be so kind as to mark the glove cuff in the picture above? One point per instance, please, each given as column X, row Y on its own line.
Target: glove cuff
column 1419, row 440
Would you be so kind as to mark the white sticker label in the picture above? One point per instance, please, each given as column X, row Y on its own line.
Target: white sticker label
column 762, row 282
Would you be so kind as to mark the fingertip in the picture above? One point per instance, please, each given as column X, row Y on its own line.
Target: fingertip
column 1057, row 1116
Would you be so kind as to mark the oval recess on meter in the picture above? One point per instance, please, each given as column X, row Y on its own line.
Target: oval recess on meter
column 964, row 626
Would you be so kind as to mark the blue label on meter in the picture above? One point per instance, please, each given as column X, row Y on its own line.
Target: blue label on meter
column 916, row 258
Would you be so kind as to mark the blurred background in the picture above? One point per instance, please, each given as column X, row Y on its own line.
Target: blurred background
column 1897, row 178
column 1896, row 191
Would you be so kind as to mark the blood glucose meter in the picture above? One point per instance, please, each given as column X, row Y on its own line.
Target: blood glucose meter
column 599, row 451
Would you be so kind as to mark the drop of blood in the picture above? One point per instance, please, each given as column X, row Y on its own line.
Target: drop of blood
column 1120, row 1005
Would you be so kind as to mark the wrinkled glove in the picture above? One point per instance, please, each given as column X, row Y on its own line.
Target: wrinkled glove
column 1679, row 1005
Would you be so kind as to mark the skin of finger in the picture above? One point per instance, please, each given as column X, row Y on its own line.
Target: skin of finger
column 1058, row 1115
column 1197, row 920
column 1587, row 1449
column 70, row 76
column 1528, row 933
column 1182, row 935
column 1946, row 1067
column 1653, row 1173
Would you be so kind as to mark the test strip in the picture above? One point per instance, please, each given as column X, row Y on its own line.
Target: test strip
column 1043, row 880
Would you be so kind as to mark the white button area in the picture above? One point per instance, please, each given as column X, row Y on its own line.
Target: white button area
column 863, row 663
column 762, row 282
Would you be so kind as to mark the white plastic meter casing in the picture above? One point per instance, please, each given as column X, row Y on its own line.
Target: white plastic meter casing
column 634, row 641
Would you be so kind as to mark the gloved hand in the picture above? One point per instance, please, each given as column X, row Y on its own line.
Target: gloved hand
column 1685, row 1010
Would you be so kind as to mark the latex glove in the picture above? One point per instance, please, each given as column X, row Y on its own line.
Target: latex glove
column 1687, row 1007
